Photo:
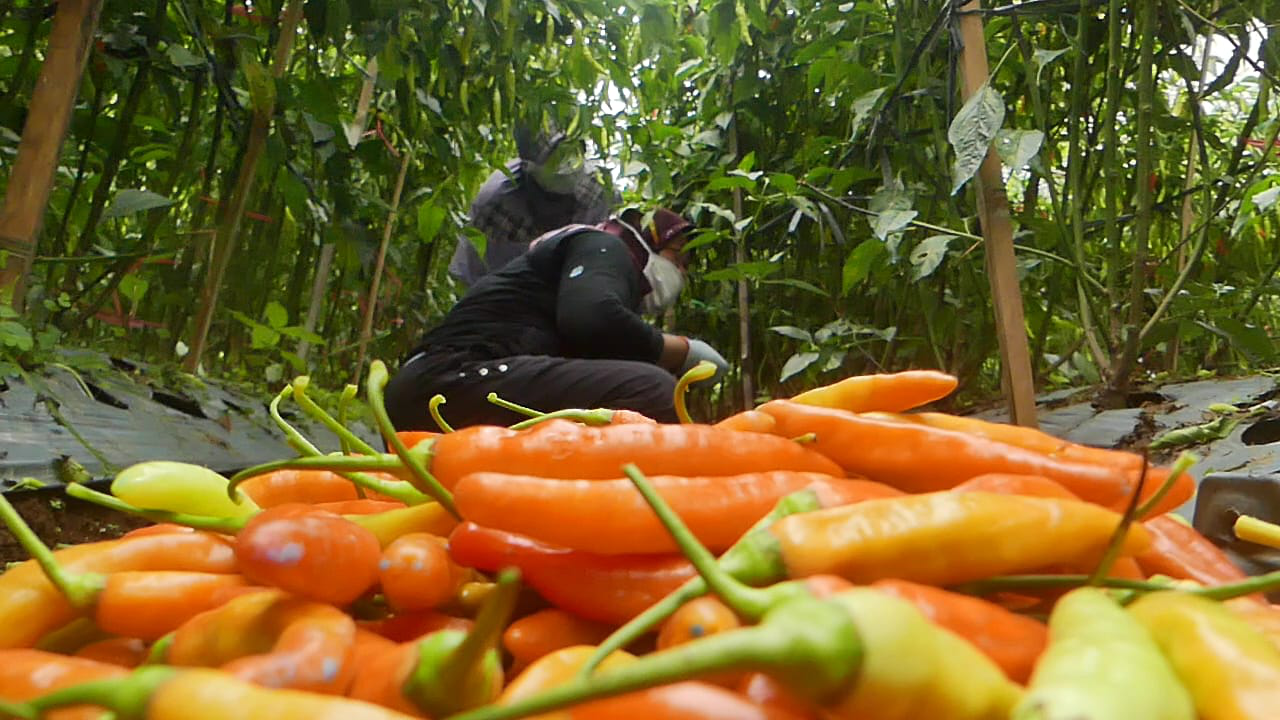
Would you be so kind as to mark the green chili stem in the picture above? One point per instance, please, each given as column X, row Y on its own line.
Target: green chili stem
column 751, row 648
column 702, row 371
column 1116, row 542
column 228, row 525
column 344, row 404
column 80, row 589
column 17, row 710
column 434, row 407
column 376, row 383
column 1180, row 466
column 383, row 462
column 513, row 407
column 300, row 384
column 753, row 559
column 296, row 439
column 586, row 417
column 69, row 638
column 126, row 697
column 749, row 602
column 158, row 653
column 485, row 634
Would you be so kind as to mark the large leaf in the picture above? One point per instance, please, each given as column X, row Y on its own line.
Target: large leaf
column 797, row 364
column 130, row 201
column 857, row 266
column 972, row 131
column 13, row 334
column 1018, row 147
column 862, row 108
column 892, row 221
column 927, row 256
column 277, row 316
column 1253, row 341
column 430, row 219
column 793, row 332
column 1043, row 58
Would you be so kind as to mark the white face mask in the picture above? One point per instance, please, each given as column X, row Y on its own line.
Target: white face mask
column 664, row 277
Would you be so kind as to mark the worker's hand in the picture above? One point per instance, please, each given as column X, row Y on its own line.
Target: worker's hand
column 699, row 351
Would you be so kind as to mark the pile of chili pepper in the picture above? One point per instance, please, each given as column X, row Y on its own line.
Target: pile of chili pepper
column 845, row 553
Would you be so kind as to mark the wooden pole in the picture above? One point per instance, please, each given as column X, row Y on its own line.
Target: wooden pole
column 997, row 229
column 366, row 326
column 48, row 116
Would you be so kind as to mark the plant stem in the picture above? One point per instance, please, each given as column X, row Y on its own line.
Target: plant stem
column 377, row 381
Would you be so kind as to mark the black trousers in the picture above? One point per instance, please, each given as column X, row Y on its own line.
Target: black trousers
column 535, row 381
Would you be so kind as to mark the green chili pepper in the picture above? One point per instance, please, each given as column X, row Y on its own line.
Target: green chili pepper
column 1101, row 664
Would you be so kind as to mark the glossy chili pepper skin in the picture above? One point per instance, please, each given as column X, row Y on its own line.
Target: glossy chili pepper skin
column 282, row 487
column 697, row 618
column 888, row 392
column 919, row 458
column 27, row 674
column 1012, row 641
column 1231, row 671
column 179, row 487
column 1179, row 551
column 555, row 669
column 147, row 605
column 125, row 652
column 763, row 690
column 31, row 606
column 546, row 631
column 380, row 678
column 609, row 517
column 749, row 421
column 1010, row 484
column 944, row 538
column 416, row 573
column 559, row 448
column 271, row 639
column 679, row 701
column 315, row 554
column 391, row 524
column 1101, row 664
column 606, row 588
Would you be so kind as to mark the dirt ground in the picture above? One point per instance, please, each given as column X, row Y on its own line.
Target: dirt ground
column 59, row 519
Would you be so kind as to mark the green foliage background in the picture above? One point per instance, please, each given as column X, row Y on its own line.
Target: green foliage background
column 817, row 144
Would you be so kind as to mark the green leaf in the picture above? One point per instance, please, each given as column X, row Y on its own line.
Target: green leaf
column 1249, row 339
column 1017, row 147
column 477, row 240
column 972, row 131
column 277, row 316
column 785, row 182
column 748, row 162
column 892, row 221
column 130, row 201
column 430, row 219
column 796, row 364
column 297, row 332
column 862, row 108
column 793, row 332
column 731, row 181
column 857, row 266
column 1044, row 57
column 13, row 334
column 263, row 337
column 928, row 254
column 133, row 287
column 182, row 57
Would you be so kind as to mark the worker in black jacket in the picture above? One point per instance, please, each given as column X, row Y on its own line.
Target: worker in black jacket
column 560, row 327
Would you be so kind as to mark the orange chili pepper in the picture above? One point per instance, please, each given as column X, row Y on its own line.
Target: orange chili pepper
column 313, row 553
column 697, row 618
column 766, row 692
column 546, row 631
column 361, row 506
column 679, row 701
column 560, row 448
column 606, row 588
column 271, row 639
column 1009, row 484
column 557, row 668
column 749, row 421
column 1179, row 551
column 32, row 606
column 1013, row 641
column 416, row 573
column 157, row 529
column 888, row 392
column 27, row 674
column 609, row 517
column 919, row 458
column 403, row 627
column 125, row 652
column 281, row 487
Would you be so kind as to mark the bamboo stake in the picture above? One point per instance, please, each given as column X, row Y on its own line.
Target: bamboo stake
column 366, row 325
column 997, row 229
column 48, row 116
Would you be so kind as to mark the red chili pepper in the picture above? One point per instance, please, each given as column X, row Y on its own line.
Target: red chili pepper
column 559, row 448
column 609, row 517
column 919, row 458
column 546, row 631
column 1178, row 551
column 271, row 639
column 124, row 652
column 606, row 588
column 1012, row 641
column 315, row 554
column 679, row 701
column 416, row 573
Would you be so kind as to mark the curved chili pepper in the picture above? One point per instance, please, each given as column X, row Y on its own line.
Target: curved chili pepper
column 28, row 674
column 1012, row 641
column 297, row 486
column 1230, row 670
column 1101, row 663
column 749, row 421
column 163, row 693
column 125, row 652
column 679, row 701
column 1179, row 551
column 606, row 588
column 608, row 517
column 271, row 639
column 416, row 573
column 546, row 631
column 559, row 448
column 888, row 392
column 180, row 487
column 316, row 554
column 32, row 606
column 919, row 458
column 1010, row 484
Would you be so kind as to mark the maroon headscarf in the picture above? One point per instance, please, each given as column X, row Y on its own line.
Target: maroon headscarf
column 664, row 228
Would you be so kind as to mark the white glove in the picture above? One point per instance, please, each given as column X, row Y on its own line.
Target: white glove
column 699, row 351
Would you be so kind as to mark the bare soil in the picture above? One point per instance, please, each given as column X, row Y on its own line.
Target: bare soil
column 61, row 520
